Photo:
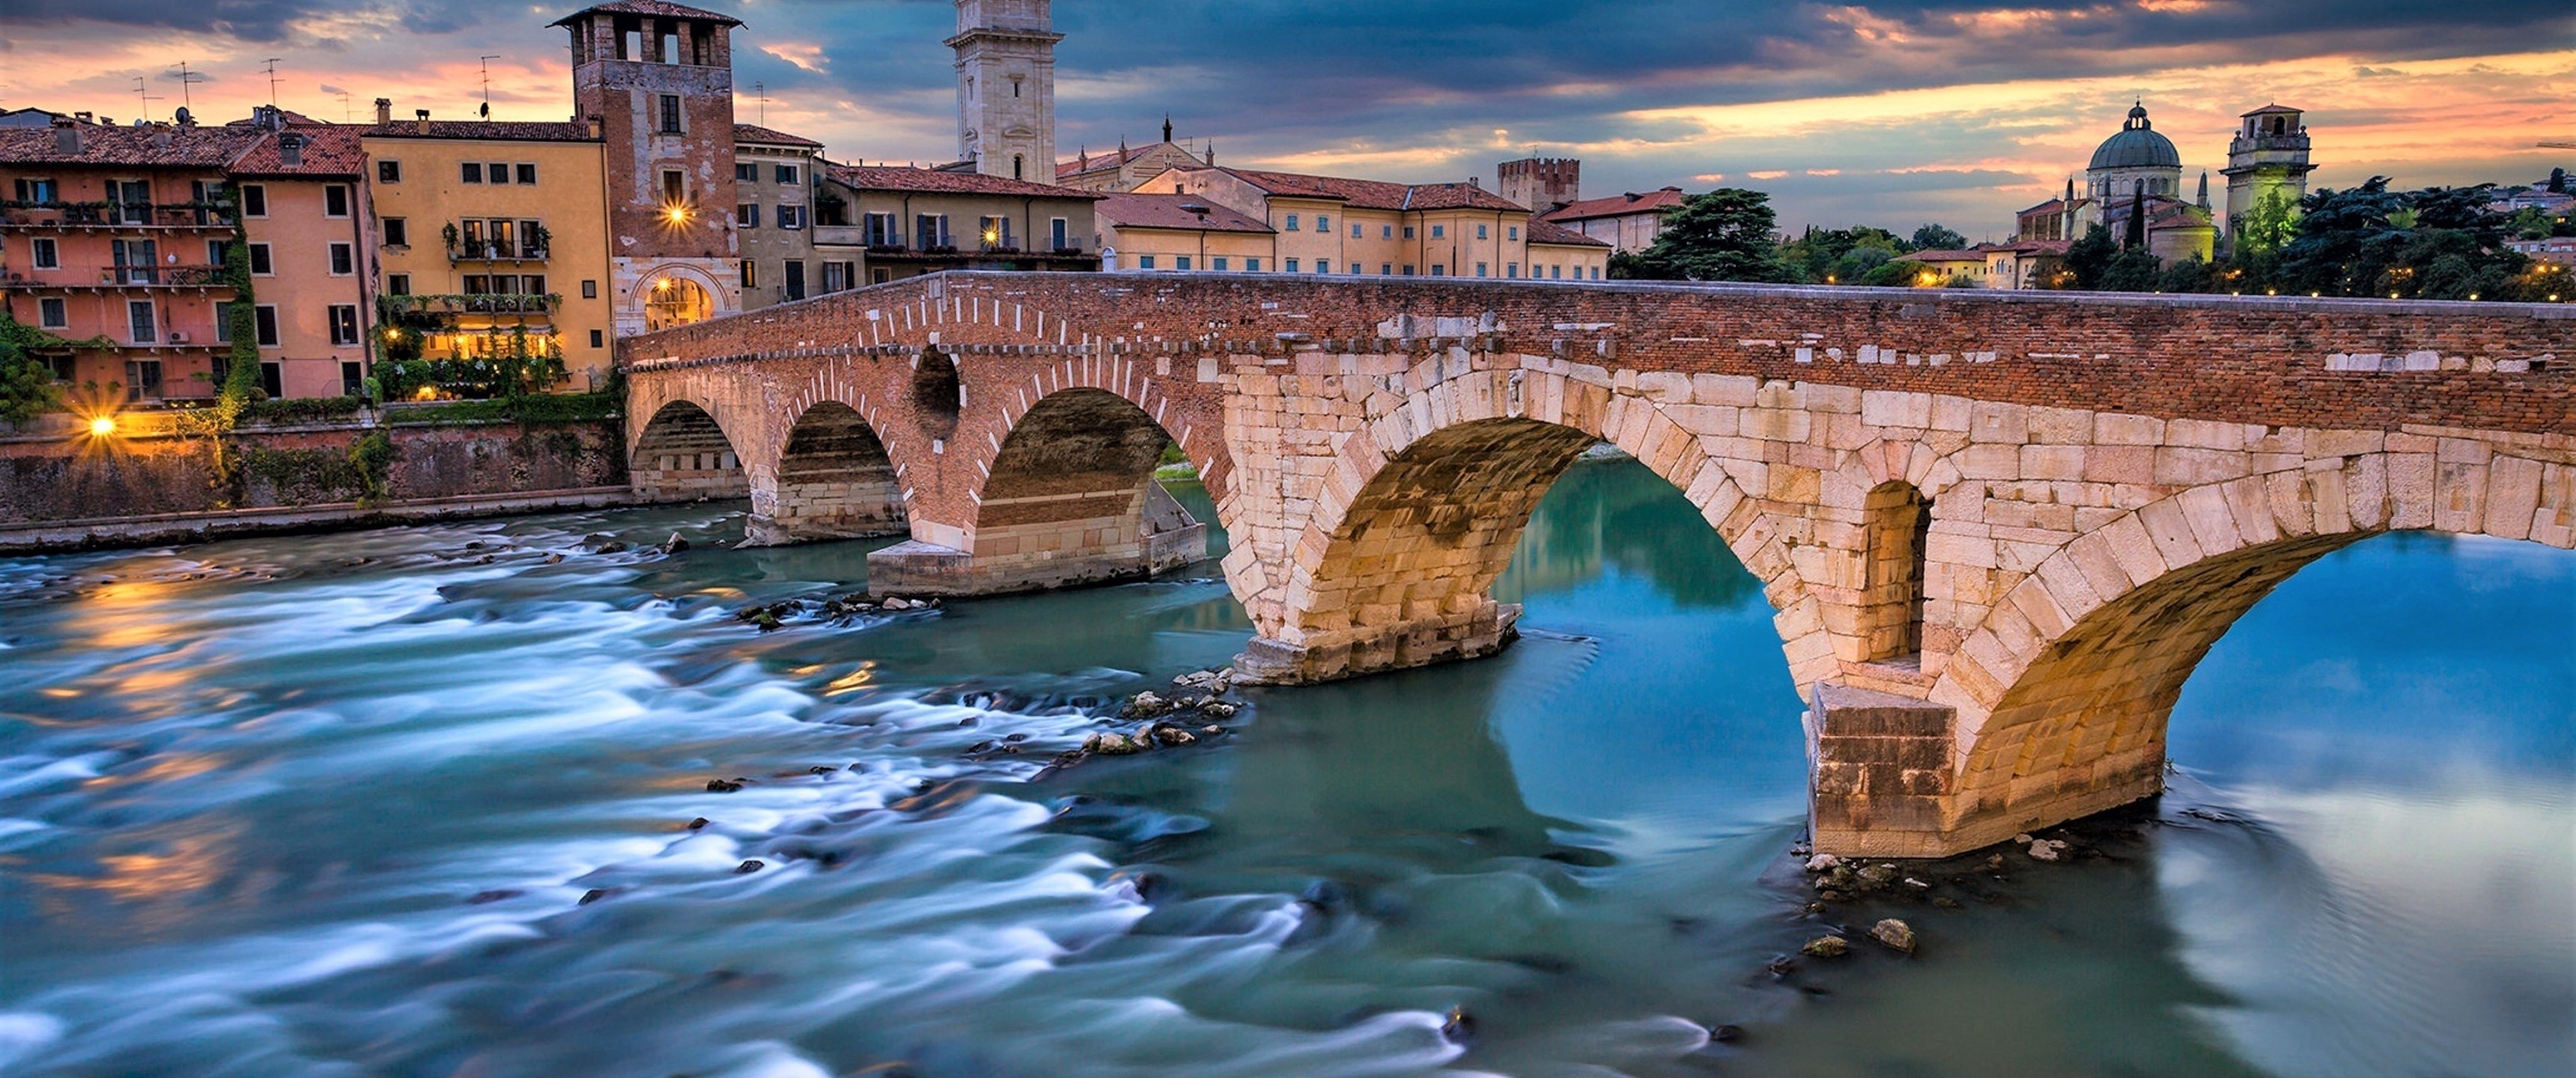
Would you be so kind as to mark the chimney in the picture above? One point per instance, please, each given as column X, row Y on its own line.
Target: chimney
column 290, row 149
column 83, row 117
column 423, row 114
column 594, row 123
column 384, row 111
column 67, row 137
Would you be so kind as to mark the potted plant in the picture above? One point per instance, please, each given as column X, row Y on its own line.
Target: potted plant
column 447, row 232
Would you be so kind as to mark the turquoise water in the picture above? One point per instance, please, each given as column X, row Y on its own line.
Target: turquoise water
column 332, row 806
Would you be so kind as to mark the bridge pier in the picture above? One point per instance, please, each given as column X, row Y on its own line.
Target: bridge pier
column 1143, row 533
column 1424, row 641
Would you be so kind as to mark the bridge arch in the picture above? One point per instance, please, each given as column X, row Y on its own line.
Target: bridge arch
column 2064, row 692
column 1426, row 503
column 683, row 453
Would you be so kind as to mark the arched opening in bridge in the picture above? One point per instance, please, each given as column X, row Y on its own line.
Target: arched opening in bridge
column 1072, row 498
column 938, row 396
column 835, row 480
column 675, row 301
column 1898, row 520
column 684, row 456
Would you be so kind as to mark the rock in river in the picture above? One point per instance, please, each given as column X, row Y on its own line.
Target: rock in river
column 1897, row 935
column 1826, row 947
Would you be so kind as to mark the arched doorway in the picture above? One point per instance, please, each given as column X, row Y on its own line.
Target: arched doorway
column 672, row 300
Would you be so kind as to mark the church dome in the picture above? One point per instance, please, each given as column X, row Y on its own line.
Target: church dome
column 2137, row 146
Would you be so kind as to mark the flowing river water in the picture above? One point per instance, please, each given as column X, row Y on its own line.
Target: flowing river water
column 332, row 806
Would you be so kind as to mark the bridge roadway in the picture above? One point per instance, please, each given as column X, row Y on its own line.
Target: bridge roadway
column 1997, row 529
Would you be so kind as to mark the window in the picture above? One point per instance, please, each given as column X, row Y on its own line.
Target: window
column 1144, row 261
column 344, row 259
column 1408, row 232
column 254, row 200
column 388, row 172
column 1355, row 232
column 878, row 230
column 497, row 172
column 1219, row 263
column 260, row 264
column 52, row 314
column 995, row 232
column 140, row 322
column 1554, row 273
column 784, row 173
column 142, row 379
column 670, row 114
column 1408, row 271
column 1323, row 266
column 1059, row 234
column 46, row 254
column 272, row 380
column 1292, row 222
column 397, row 284
column 1438, row 270
column 1323, row 222
column 335, row 200
column 1439, row 232
column 747, row 215
column 597, row 339
column 746, row 172
column 930, row 230
column 670, row 48
column 36, row 190
column 1387, row 232
column 1596, row 273
column 472, row 171
column 1514, row 233
column 353, row 379
column 675, row 187
column 527, row 174
column 344, row 323
column 590, row 290
column 791, row 216
column 1180, row 262
column 795, row 278
column 1480, row 269
column 839, row 276
column 223, row 331
column 750, row 274
column 1511, row 269
column 533, row 284
column 1291, row 264
column 1387, row 269
column 1480, row 232
column 264, row 325
column 477, row 284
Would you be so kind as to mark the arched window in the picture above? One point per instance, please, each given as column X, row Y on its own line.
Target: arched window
column 675, row 301
column 1019, row 167
column 1898, row 524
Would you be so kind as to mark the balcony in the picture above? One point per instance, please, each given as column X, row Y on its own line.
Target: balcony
column 495, row 252
column 118, row 277
column 117, row 216
column 394, row 307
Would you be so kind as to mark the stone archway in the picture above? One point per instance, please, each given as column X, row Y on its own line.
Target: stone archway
column 834, row 481
column 682, row 455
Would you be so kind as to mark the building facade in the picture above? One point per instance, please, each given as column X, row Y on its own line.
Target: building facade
column 303, row 200
column 659, row 78
column 2268, row 159
column 490, row 234
column 1006, row 88
column 905, row 222
column 1630, row 222
column 116, row 238
column 1183, row 232
column 1128, row 169
column 1333, row 224
column 775, row 178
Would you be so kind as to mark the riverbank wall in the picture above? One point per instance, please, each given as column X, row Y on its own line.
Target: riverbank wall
column 151, row 481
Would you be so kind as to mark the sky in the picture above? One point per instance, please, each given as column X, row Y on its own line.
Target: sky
column 1894, row 114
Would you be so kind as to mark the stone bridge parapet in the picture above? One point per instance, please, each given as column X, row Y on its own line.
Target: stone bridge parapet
column 2028, row 514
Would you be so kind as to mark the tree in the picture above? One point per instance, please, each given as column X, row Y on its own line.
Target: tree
column 1938, row 238
column 2090, row 258
column 26, row 383
column 1724, row 235
column 2271, row 224
column 1840, row 255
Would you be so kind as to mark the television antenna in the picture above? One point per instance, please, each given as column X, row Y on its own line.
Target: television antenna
column 487, row 85
column 346, row 116
column 143, row 89
column 272, row 80
column 760, row 93
column 186, row 79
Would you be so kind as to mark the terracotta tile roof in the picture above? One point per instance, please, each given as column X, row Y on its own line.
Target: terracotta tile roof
column 493, row 130
column 893, row 178
column 1943, row 256
column 148, row 147
column 1174, row 211
column 2269, row 109
column 651, row 7
column 1544, row 231
column 1619, row 205
column 290, row 116
column 2054, row 205
column 2029, row 247
column 1375, row 194
column 328, row 151
column 770, row 136
column 1065, row 170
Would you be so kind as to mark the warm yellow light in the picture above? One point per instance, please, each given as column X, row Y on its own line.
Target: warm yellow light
column 662, row 285
column 102, row 426
column 992, row 236
column 676, row 215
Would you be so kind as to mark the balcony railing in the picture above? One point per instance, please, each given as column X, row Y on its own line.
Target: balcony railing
column 165, row 276
column 496, row 252
column 116, row 215
column 476, row 303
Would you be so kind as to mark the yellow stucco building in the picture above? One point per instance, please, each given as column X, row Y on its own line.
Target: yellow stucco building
column 485, row 229
column 1336, row 225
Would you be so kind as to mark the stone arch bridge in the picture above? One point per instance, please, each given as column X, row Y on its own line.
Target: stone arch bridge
column 1997, row 529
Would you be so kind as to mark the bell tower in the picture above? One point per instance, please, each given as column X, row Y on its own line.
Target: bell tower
column 2268, row 157
column 1006, row 87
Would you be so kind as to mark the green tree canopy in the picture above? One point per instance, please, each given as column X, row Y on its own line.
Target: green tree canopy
column 1724, row 235
column 1938, row 238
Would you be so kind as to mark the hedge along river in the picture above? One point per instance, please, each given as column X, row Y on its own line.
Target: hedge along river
column 332, row 806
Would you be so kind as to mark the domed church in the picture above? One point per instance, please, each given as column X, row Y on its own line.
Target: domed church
column 2138, row 154
column 2136, row 172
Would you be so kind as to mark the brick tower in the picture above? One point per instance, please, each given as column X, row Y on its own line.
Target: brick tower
column 1006, row 87
column 658, row 80
column 1540, row 183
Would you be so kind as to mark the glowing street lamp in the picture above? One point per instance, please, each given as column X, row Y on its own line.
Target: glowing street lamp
column 102, row 426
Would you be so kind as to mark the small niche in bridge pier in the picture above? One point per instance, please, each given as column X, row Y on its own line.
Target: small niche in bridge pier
column 937, row 395
column 1899, row 525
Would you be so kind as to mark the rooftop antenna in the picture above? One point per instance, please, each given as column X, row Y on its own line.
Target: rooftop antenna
column 760, row 93
column 142, row 89
column 187, row 78
column 346, row 116
column 487, row 85
column 272, row 80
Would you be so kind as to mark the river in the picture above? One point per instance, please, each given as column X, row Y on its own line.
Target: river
column 418, row 802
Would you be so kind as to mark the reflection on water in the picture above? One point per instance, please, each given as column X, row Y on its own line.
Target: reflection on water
column 418, row 801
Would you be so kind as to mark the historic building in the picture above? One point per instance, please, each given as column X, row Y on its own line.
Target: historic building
column 1128, row 169
column 304, row 206
column 659, row 78
column 905, row 222
column 1006, row 88
column 1183, row 232
column 2268, row 159
column 1333, row 224
column 776, row 177
column 1629, row 222
column 494, row 235
column 115, row 237
column 2137, row 172
column 1544, row 184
